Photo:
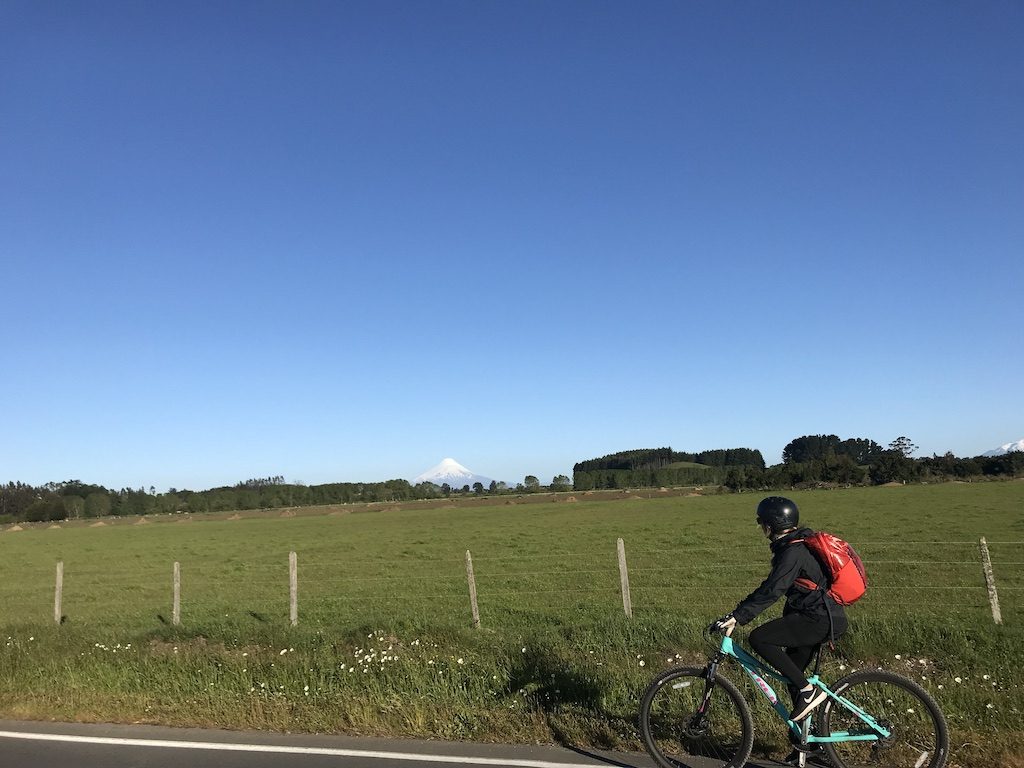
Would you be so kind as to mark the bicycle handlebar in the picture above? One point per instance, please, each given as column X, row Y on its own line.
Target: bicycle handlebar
column 713, row 629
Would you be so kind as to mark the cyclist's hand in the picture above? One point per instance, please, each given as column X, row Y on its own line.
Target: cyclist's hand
column 725, row 625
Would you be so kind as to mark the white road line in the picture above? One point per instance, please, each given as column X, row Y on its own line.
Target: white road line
column 281, row 749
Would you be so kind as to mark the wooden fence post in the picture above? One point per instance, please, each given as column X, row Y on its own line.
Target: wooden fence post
column 990, row 581
column 58, row 594
column 176, row 611
column 472, row 590
column 293, row 588
column 627, row 604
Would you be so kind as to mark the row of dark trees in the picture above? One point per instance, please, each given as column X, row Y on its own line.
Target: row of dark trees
column 74, row 499
column 807, row 461
column 662, row 458
column 816, row 460
column 659, row 467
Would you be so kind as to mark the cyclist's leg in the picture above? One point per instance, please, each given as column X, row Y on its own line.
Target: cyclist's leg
column 801, row 656
column 795, row 632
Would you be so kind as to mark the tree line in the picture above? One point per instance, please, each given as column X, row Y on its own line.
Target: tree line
column 825, row 460
column 659, row 467
column 72, row 499
column 807, row 461
column 661, row 458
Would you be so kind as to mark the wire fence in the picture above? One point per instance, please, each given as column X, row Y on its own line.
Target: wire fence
column 934, row 577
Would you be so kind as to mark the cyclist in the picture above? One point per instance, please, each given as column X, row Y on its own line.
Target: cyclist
column 810, row 617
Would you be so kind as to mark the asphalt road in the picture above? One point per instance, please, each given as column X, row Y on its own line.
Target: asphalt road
column 67, row 745
column 76, row 745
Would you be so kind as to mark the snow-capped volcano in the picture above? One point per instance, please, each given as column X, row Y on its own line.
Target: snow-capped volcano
column 1017, row 446
column 451, row 472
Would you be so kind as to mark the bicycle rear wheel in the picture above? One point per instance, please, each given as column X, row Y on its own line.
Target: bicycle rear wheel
column 918, row 735
column 677, row 734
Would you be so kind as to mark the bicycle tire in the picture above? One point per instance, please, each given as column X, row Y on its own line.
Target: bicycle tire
column 674, row 741
column 920, row 737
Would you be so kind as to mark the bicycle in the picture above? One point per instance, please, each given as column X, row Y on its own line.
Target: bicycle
column 695, row 717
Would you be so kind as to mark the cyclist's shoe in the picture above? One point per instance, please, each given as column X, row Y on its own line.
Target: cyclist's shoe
column 805, row 703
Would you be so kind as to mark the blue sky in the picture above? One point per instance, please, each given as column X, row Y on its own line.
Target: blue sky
column 341, row 241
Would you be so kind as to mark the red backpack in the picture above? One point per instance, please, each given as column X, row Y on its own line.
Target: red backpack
column 847, row 581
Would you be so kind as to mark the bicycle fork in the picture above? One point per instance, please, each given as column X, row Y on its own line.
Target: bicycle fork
column 710, row 671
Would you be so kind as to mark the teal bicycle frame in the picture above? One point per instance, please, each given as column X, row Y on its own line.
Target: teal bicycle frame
column 758, row 671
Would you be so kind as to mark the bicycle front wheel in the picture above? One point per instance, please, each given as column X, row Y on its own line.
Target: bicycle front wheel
column 918, row 737
column 681, row 733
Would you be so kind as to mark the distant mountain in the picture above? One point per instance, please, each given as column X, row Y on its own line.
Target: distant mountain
column 451, row 472
column 1017, row 446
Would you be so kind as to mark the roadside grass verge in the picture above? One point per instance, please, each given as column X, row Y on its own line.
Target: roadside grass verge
column 573, row 685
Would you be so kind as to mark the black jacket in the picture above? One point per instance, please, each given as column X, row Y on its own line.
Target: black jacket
column 789, row 562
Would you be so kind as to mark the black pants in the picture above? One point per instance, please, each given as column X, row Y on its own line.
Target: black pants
column 789, row 643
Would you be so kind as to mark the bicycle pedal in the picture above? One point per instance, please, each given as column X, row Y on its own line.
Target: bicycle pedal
column 803, row 747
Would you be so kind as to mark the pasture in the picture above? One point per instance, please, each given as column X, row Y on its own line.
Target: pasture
column 384, row 643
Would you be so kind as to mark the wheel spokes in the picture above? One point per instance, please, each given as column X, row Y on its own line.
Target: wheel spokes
column 913, row 733
column 692, row 729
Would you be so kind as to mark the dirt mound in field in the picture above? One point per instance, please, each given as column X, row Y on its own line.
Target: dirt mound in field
column 15, row 528
column 235, row 516
column 142, row 521
column 97, row 524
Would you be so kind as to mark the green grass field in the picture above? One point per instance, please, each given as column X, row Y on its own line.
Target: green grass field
column 385, row 645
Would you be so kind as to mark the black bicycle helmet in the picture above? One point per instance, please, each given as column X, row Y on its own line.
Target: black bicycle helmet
column 778, row 513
